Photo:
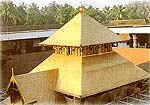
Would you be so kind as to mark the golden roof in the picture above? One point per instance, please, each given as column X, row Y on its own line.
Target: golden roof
column 85, row 76
column 36, row 86
column 82, row 30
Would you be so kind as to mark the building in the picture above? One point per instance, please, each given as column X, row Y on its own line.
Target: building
column 83, row 68
column 21, row 51
column 137, row 30
column 25, row 42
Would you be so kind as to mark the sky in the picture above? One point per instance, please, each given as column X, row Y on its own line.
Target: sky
column 76, row 3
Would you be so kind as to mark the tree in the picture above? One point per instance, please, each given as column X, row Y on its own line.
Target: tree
column 22, row 12
column 90, row 11
column 107, row 15
column 54, row 13
column 139, row 10
column 33, row 15
column 146, row 6
column 64, row 14
column 119, row 12
column 9, row 13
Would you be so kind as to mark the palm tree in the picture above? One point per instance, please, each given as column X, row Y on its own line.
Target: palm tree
column 119, row 12
column 107, row 14
column 22, row 12
column 9, row 13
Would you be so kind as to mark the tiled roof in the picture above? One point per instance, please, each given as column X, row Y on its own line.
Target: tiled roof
column 37, row 87
column 85, row 76
column 134, row 55
column 82, row 30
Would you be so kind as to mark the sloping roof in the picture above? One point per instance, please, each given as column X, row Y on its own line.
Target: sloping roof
column 37, row 86
column 85, row 76
column 134, row 55
column 105, row 79
column 82, row 30
column 69, row 80
column 134, row 30
column 26, row 35
column 145, row 66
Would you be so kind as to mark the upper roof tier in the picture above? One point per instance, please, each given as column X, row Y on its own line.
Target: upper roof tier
column 82, row 30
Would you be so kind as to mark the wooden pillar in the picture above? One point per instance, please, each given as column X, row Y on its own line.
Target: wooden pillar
column 36, row 45
column 23, row 47
column 145, row 45
column 17, row 48
column 43, row 48
column 134, row 41
column 36, row 42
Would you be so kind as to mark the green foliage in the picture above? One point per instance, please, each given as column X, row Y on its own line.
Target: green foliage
column 9, row 13
column 64, row 14
column 55, row 13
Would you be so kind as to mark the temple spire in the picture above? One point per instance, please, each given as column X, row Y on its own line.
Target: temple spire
column 81, row 9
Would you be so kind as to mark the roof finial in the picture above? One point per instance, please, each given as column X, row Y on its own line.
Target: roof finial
column 81, row 9
column 12, row 72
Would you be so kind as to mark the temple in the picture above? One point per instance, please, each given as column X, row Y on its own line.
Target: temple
column 82, row 66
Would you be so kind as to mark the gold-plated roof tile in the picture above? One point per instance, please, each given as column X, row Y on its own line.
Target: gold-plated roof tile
column 82, row 30
column 85, row 76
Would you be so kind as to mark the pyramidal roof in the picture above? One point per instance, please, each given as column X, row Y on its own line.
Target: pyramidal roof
column 85, row 76
column 82, row 30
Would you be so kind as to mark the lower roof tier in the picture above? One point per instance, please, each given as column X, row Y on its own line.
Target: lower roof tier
column 84, row 76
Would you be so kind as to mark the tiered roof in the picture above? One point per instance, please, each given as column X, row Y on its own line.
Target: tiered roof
column 84, row 76
column 82, row 30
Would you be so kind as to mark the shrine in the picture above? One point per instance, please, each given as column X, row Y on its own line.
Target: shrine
column 83, row 65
